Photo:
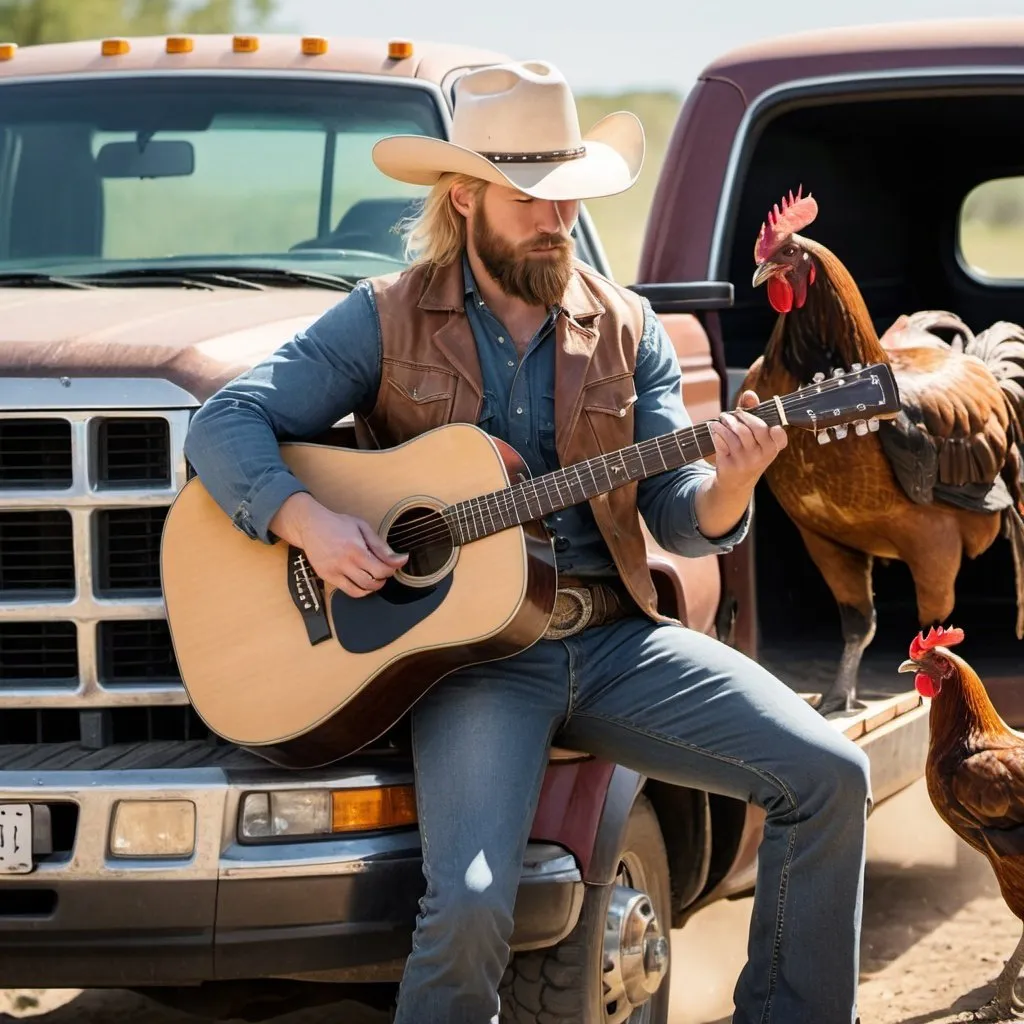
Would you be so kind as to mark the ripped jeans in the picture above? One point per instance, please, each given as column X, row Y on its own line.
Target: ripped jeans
column 674, row 705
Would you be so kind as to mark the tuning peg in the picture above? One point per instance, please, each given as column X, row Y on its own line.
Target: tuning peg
column 838, row 372
column 841, row 430
column 860, row 427
column 857, row 366
column 818, row 377
column 873, row 424
column 823, row 437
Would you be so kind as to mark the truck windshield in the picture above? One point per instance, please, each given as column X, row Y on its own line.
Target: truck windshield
column 170, row 173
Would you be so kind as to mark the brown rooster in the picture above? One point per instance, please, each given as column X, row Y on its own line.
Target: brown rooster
column 975, row 777
column 937, row 482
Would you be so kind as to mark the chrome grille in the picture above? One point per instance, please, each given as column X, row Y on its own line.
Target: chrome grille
column 89, row 468
column 35, row 453
column 37, row 556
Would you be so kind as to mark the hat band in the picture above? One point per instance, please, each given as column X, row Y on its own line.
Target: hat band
column 551, row 156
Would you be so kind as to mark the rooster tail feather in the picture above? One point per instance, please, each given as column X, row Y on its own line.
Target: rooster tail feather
column 934, row 320
column 1001, row 348
column 1014, row 528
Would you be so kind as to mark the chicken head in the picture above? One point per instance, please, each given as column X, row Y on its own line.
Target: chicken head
column 782, row 262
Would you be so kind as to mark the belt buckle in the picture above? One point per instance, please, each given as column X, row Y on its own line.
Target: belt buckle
column 568, row 621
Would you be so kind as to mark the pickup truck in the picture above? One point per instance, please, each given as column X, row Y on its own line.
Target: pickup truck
column 139, row 851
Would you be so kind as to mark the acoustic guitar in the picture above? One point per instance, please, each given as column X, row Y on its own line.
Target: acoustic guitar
column 301, row 674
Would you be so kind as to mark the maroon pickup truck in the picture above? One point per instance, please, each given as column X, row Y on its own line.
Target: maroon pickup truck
column 158, row 857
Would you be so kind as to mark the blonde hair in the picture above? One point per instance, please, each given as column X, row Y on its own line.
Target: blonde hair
column 437, row 234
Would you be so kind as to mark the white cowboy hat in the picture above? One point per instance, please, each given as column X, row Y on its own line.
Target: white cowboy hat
column 516, row 124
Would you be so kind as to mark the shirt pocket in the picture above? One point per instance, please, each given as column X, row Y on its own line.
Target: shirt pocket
column 415, row 398
column 488, row 418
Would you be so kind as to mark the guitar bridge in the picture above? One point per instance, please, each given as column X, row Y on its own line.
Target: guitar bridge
column 307, row 592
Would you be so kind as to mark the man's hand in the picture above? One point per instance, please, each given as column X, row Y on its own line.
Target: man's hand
column 344, row 550
column 744, row 448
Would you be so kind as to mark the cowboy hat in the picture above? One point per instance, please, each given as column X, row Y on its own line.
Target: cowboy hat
column 516, row 124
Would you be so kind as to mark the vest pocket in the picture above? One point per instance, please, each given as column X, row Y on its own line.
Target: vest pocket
column 414, row 398
column 608, row 407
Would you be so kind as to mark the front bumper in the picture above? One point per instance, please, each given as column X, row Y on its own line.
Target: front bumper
column 340, row 909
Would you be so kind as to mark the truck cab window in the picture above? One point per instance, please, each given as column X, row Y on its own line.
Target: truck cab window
column 991, row 230
column 158, row 172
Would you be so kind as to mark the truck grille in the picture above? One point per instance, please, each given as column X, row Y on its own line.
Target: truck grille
column 35, row 453
column 85, row 652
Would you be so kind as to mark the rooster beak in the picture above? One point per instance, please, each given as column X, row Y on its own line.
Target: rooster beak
column 764, row 271
column 908, row 666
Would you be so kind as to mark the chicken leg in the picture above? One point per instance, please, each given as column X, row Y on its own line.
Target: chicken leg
column 1005, row 1004
column 847, row 573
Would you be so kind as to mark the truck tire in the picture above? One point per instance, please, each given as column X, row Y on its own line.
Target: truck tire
column 614, row 966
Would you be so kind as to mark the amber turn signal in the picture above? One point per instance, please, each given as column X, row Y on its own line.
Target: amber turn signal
column 400, row 49
column 314, row 46
column 361, row 810
column 114, row 47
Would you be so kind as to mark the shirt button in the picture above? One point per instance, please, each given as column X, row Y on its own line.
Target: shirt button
column 562, row 543
column 519, row 410
column 510, row 363
column 501, row 341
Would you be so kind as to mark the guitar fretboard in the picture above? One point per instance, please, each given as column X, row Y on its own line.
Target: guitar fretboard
column 540, row 496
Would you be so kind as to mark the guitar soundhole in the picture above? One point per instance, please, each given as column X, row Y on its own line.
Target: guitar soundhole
column 423, row 533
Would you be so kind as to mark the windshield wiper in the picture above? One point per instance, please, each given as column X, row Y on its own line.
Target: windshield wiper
column 282, row 275
column 30, row 279
column 254, row 278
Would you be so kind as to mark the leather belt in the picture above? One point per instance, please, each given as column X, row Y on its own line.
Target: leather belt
column 581, row 605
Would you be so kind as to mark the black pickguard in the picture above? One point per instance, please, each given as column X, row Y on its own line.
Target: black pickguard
column 364, row 624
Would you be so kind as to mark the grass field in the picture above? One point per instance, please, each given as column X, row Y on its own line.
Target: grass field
column 621, row 220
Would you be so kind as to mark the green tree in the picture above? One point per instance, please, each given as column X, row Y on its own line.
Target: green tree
column 50, row 21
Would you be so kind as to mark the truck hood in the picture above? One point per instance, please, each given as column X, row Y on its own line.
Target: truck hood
column 199, row 340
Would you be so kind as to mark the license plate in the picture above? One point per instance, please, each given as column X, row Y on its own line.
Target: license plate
column 15, row 839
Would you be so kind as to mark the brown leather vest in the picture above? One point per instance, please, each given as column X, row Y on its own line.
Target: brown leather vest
column 430, row 376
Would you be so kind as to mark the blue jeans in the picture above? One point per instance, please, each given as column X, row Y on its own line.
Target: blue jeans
column 674, row 705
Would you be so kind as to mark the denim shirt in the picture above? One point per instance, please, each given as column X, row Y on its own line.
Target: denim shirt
column 332, row 369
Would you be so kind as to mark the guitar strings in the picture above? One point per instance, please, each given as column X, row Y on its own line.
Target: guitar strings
column 431, row 531
column 425, row 529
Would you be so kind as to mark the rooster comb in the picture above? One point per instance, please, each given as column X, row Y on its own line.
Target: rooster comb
column 796, row 212
column 937, row 636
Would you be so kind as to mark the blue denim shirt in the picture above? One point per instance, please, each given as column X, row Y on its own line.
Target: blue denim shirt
column 332, row 369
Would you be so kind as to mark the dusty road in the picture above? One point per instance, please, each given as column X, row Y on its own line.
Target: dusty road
column 935, row 935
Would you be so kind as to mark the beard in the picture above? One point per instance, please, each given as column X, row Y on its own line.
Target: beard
column 539, row 279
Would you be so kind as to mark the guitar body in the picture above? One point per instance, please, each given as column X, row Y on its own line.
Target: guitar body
column 265, row 671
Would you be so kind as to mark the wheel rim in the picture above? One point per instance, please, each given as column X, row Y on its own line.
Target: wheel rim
column 636, row 951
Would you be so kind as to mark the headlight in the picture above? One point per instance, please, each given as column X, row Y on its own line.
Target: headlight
column 153, row 828
column 321, row 812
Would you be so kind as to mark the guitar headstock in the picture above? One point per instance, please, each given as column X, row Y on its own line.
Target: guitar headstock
column 861, row 395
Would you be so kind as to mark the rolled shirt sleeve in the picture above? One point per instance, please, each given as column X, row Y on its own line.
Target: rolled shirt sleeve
column 322, row 375
column 667, row 501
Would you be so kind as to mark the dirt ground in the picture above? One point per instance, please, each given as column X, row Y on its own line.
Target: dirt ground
column 935, row 936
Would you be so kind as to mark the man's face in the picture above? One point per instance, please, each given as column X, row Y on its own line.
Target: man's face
column 524, row 243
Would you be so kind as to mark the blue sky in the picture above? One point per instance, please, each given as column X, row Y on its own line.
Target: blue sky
column 608, row 45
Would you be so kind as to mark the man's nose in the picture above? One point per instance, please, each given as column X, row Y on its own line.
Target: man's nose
column 551, row 218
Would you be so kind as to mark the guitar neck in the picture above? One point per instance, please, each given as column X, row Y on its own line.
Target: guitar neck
column 540, row 496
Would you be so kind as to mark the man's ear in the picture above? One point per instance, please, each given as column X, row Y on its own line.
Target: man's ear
column 464, row 198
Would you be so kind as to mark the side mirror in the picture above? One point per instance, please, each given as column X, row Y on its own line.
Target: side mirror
column 686, row 297
column 163, row 159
